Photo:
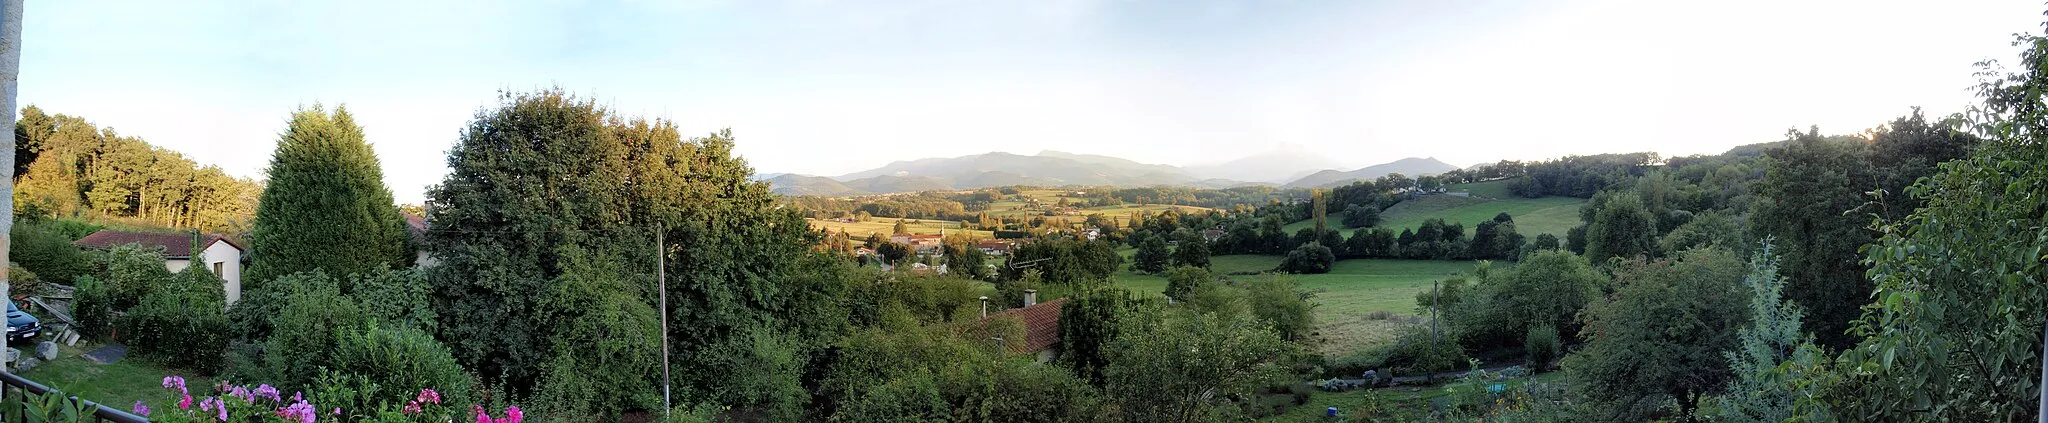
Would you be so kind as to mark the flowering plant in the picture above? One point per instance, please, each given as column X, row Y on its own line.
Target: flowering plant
column 264, row 403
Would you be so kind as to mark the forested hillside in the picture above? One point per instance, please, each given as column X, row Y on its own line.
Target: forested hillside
column 65, row 166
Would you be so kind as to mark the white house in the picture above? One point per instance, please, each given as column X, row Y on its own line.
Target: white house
column 218, row 254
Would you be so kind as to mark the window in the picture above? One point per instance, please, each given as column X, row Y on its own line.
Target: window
column 217, row 266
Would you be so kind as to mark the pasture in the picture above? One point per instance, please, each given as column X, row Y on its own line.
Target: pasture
column 1351, row 292
column 885, row 225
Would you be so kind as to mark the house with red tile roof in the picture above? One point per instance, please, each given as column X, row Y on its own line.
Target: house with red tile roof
column 1041, row 326
column 417, row 227
column 221, row 256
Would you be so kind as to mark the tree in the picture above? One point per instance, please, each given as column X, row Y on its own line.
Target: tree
column 547, row 193
column 1545, row 242
column 1089, row 323
column 325, row 205
column 1660, row 337
column 1191, row 250
column 1310, row 258
column 1151, row 256
column 899, row 228
column 1361, row 216
column 1546, row 288
column 1320, row 213
column 1184, row 280
column 1771, row 338
column 967, row 260
column 1183, row 367
column 1954, row 331
column 1621, row 228
column 1810, row 186
column 1279, row 302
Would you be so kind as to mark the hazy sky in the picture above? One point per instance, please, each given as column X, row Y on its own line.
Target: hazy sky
column 831, row 87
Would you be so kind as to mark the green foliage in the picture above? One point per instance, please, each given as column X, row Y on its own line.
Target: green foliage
column 1067, row 261
column 967, row 260
column 391, row 363
column 1659, row 338
column 1547, row 288
column 1311, row 258
column 604, row 341
column 396, row 297
column 1186, row 367
column 1280, row 303
column 1810, row 188
column 41, row 248
column 1542, row 346
column 1757, row 393
column 132, row 272
column 1447, row 294
column 1181, row 284
column 1711, row 229
column 1151, row 256
column 324, row 204
column 1361, row 216
column 92, row 307
column 182, row 323
column 1417, row 350
column 1545, row 242
column 772, row 380
column 251, row 318
column 1621, row 227
column 66, row 167
column 1192, row 250
column 1955, row 331
column 1089, row 322
column 49, row 407
column 305, row 334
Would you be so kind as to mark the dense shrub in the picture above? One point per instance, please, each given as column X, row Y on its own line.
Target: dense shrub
column 1310, row 258
column 92, row 307
column 1279, row 302
column 395, row 297
column 304, row 336
column 40, row 248
column 1546, row 288
column 1416, row 350
column 181, row 324
column 251, row 318
column 132, row 271
column 393, row 362
column 1182, row 282
column 1542, row 346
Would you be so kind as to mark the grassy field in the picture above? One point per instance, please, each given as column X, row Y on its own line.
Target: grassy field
column 886, row 225
column 1551, row 215
column 117, row 385
column 1352, row 290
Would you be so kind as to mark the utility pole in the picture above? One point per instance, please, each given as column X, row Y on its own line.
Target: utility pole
column 661, row 282
column 10, row 73
column 1435, row 302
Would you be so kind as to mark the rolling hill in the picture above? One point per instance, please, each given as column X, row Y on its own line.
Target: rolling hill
column 1411, row 166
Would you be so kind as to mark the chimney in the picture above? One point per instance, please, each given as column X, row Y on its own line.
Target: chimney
column 984, row 305
column 1030, row 297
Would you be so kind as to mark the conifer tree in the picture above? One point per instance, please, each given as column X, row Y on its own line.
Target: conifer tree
column 326, row 206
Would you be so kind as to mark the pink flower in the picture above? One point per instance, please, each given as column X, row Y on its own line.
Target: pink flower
column 220, row 409
column 300, row 411
column 241, row 392
column 266, row 391
column 337, row 411
column 411, row 408
column 513, row 415
column 481, row 416
column 185, row 404
column 175, row 382
column 140, row 410
column 428, row 396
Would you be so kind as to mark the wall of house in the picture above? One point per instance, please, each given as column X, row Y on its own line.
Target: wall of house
column 227, row 257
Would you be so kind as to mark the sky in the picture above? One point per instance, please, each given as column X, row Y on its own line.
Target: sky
column 828, row 87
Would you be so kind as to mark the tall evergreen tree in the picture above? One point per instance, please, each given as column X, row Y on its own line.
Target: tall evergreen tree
column 326, row 206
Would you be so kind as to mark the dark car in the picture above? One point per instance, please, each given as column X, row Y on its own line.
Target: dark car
column 21, row 325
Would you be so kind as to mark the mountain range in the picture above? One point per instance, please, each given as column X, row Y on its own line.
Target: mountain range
column 1055, row 168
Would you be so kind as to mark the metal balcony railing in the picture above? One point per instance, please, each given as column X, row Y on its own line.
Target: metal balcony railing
column 100, row 412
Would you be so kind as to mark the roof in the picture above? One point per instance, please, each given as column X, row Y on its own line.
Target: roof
column 993, row 244
column 175, row 245
column 1041, row 325
column 415, row 225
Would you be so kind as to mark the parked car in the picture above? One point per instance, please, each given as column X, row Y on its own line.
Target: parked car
column 21, row 325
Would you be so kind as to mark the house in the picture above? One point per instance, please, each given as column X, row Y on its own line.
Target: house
column 1041, row 326
column 925, row 244
column 994, row 247
column 219, row 255
column 1092, row 233
column 1211, row 235
column 417, row 227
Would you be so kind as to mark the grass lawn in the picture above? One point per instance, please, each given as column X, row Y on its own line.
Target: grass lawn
column 116, row 385
column 1489, row 189
column 1551, row 215
column 1352, row 290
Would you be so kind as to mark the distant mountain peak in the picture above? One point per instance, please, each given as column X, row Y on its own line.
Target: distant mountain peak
column 1411, row 166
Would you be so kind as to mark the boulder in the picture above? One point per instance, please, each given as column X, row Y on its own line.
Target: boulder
column 46, row 350
column 26, row 364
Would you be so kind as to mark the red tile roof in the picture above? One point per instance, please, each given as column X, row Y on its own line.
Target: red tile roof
column 175, row 245
column 1041, row 325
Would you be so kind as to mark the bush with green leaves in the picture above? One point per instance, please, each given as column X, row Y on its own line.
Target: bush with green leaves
column 1182, row 282
column 1546, row 288
column 1310, row 258
column 1417, row 350
column 1280, row 303
column 390, row 363
column 182, row 323
column 305, row 334
column 1542, row 346
column 1185, row 366
column 1658, row 340
column 132, row 271
column 40, row 248
column 92, row 306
